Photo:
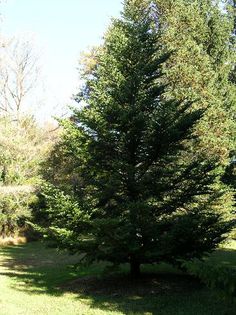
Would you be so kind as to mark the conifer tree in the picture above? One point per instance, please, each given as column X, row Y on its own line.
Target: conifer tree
column 143, row 193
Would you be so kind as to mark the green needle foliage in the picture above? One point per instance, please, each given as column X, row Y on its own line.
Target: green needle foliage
column 143, row 161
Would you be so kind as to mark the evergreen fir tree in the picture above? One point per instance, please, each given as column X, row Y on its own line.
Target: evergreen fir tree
column 143, row 193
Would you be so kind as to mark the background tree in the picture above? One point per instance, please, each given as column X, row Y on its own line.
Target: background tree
column 23, row 146
column 230, row 174
column 19, row 72
column 201, row 35
column 144, row 194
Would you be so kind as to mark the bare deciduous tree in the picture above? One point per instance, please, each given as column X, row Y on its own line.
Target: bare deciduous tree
column 18, row 75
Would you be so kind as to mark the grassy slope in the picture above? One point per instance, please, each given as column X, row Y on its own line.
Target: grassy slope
column 30, row 276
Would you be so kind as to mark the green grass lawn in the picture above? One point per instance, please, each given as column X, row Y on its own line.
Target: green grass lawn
column 35, row 280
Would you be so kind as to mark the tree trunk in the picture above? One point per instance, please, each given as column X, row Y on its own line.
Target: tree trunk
column 134, row 269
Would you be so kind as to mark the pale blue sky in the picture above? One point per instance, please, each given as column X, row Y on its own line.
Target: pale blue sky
column 61, row 29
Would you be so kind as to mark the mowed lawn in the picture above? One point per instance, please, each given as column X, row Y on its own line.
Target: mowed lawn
column 35, row 280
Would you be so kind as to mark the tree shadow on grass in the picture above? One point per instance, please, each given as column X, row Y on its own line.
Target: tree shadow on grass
column 39, row 271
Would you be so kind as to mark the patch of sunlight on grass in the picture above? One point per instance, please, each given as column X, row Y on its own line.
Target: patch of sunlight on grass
column 231, row 244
